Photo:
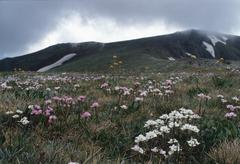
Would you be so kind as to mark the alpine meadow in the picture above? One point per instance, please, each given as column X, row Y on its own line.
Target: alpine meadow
column 125, row 82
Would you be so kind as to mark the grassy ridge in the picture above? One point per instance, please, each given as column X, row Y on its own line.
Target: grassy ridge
column 137, row 53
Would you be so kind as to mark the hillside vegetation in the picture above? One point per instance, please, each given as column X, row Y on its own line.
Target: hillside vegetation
column 152, row 52
column 189, row 116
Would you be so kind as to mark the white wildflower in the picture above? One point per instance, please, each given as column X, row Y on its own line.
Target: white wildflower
column 138, row 149
column 56, row 88
column 162, row 152
column 220, row 96
column 24, row 121
column 223, row 100
column 173, row 140
column 30, row 107
column 165, row 129
column 150, row 135
column 190, row 127
column 173, row 148
column 140, row 138
column 19, row 111
column 150, row 123
column 117, row 88
column 138, row 99
column 143, row 93
column 155, row 150
column 235, row 98
column 159, row 122
column 164, row 117
column 193, row 142
column 123, row 107
column 73, row 163
column 9, row 112
column 15, row 116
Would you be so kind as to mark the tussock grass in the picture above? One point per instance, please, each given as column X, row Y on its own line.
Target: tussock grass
column 108, row 137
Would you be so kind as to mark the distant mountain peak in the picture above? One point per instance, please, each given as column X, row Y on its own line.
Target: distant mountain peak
column 188, row 44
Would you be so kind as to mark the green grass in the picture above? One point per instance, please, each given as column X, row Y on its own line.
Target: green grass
column 137, row 61
column 107, row 137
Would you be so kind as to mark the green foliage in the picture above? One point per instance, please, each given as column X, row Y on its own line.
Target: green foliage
column 2, row 138
column 194, row 80
column 163, row 107
column 192, row 92
column 117, row 142
column 114, row 143
column 219, row 82
column 10, row 154
column 72, row 138
column 216, row 129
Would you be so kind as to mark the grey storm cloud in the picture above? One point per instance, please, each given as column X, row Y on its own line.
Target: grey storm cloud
column 26, row 21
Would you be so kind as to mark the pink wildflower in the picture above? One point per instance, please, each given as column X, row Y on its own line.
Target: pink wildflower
column 104, row 85
column 231, row 107
column 36, row 110
column 51, row 119
column 168, row 82
column 81, row 98
column 47, row 102
column 136, row 83
column 95, row 105
column 86, row 115
column 56, row 98
column 230, row 115
column 48, row 111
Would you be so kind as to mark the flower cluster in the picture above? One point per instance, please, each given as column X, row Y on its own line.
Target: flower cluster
column 221, row 97
column 65, row 101
column 123, row 90
column 232, row 106
column 18, row 117
column 232, row 111
column 46, row 112
column 81, row 98
column 173, row 124
column 5, row 86
column 202, row 96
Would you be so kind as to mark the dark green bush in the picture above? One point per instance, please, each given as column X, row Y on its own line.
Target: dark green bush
column 215, row 130
column 192, row 92
column 219, row 82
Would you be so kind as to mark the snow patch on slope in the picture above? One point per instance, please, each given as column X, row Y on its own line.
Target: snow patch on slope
column 191, row 55
column 215, row 39
column 171, row 59
column 209, row 48
column 224, row 38
column 57, row 63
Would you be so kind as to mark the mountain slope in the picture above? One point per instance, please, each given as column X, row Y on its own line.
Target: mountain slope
column 47, row 56
column 145, row 51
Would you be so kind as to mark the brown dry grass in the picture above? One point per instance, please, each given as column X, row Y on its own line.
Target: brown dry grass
column 227, row 152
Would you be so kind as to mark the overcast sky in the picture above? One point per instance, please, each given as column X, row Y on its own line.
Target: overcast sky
column 30, row 25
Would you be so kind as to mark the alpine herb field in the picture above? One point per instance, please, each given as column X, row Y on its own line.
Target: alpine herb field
column 184, row 117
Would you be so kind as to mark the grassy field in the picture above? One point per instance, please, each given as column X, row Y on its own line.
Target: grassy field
column 182, row 117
